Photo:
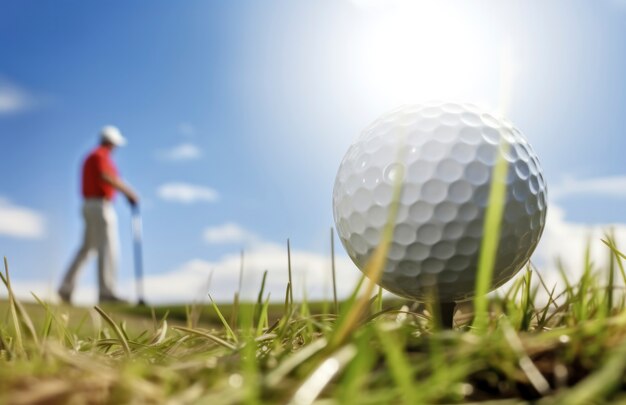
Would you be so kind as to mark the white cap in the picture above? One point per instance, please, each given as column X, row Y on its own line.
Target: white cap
column 113, row 135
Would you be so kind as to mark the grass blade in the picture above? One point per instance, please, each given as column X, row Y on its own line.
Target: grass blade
column 292, row 362
column 399, row 367
column 6, row 279
column 332, row 265
column 322, row 375
column 259, row 299
column 207, row 335
column 229, row 330
column 263, row 323
column 490, row 240
column 289, row 272
column 57, row 322
column 118, row 332
column 618, row 256
column 355, row 378
column 249, row 367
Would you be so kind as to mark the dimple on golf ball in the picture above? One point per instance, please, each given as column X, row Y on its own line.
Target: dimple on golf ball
column 445, row 153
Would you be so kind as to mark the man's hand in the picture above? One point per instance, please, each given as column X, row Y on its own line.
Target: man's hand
column 132, row 198
column 116, row 182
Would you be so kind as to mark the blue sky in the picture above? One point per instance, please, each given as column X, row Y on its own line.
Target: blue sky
column 246, row 108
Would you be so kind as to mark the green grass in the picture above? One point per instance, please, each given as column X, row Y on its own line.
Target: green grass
column 570, row 350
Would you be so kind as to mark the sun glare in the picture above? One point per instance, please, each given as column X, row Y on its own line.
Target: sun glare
column 415, row 51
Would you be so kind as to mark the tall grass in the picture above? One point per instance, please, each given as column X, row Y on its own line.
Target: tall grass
column 568, row 349
column 491, row 237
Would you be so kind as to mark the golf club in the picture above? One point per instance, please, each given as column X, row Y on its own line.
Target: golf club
column 137, row 252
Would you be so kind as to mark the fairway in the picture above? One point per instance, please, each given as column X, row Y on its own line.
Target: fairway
column 570, row 350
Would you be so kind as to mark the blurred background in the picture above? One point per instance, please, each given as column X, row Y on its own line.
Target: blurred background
column 238, row 114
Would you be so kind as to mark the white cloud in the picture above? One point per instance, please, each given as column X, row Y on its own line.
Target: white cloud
column 610, row 186
column 313, row 271
column 20, row 222
column 12, row 98
column 310, row 271
column 190, row 281
column 84, row 294
column 23, row 288
column 228, row 233
column 184, row 151
column 567, row 241
column 187, row 193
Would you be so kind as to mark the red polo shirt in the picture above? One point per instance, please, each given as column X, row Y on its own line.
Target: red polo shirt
column 98, row 162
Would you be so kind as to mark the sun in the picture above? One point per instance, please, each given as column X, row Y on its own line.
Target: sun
column 425, row 50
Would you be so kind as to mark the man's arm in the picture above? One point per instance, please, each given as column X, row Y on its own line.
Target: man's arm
column 125, row 189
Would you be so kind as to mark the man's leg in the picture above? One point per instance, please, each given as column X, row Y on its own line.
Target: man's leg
column 108, row 247
column 69, row 281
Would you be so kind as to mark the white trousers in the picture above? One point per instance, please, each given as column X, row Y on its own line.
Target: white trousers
column 100, row 235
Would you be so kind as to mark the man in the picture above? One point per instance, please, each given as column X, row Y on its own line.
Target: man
column 100, row 181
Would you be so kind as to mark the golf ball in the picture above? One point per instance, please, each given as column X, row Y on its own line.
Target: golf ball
column 445, row 154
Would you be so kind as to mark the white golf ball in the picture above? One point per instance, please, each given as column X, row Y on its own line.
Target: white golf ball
column 447, row 152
